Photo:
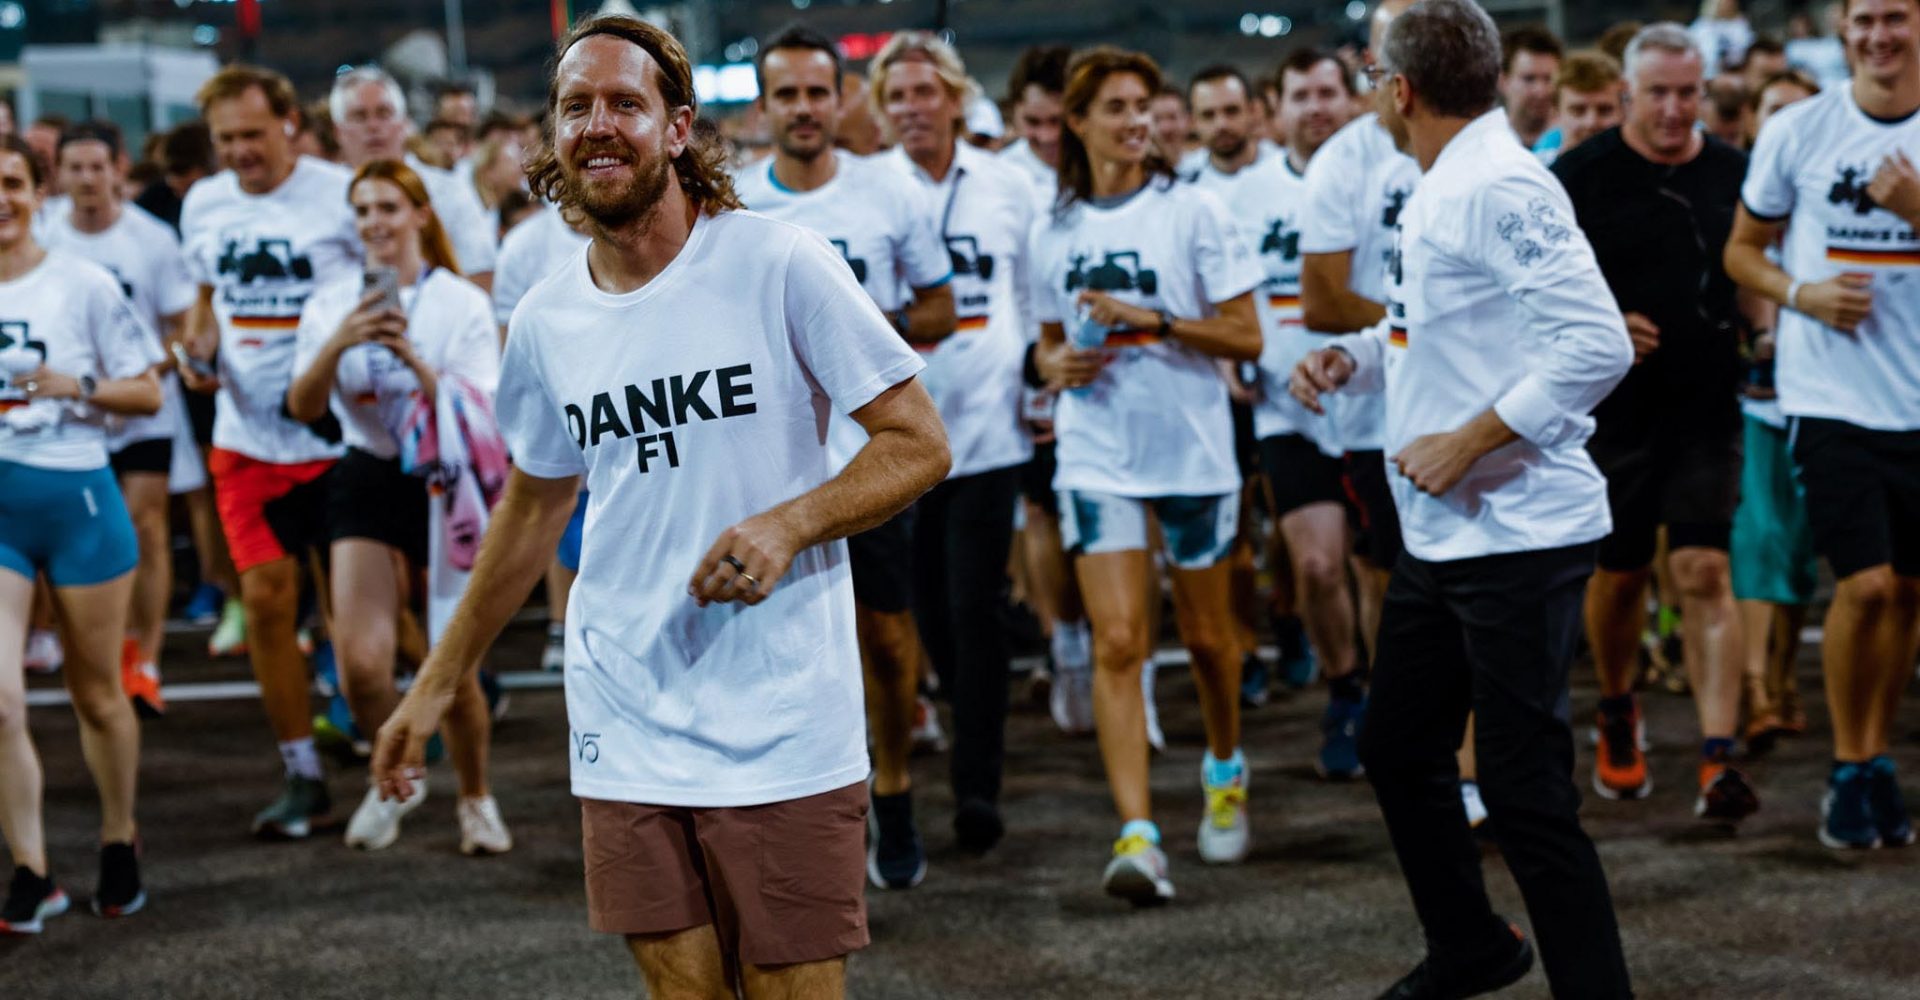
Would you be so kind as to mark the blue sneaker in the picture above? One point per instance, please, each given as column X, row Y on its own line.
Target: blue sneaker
column 1301, row 671
column 1339, row 758
column 1846, row 814
column 895, row 857
column 1255, row 681
column 1890, row 816
column 204, row 608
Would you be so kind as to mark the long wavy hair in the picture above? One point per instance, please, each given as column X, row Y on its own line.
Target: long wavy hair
column 701, row 167
column 435, row 248
column 1084, row 79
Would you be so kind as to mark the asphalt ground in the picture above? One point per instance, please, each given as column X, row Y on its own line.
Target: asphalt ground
column 1317, row 911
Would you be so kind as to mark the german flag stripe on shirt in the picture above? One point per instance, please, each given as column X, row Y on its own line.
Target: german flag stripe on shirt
column 1131, row 338
column 1874, row 258
column 266, row 322
column 1397, row 336
column 1284, row 301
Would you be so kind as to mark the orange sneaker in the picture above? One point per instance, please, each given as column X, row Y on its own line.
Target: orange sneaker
column 1725, row 796
column 1620, row 766
column 141, row 680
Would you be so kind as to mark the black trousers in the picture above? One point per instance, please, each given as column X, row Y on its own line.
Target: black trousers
column 961, row 539
column 1494, row 635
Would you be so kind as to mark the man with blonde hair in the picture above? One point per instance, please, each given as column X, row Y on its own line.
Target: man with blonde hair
column 1587, row 93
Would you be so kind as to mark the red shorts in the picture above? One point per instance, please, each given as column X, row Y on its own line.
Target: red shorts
column 268, row 511
column 781, row 883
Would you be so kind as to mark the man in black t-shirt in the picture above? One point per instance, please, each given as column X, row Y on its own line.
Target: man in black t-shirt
column 1656, row 198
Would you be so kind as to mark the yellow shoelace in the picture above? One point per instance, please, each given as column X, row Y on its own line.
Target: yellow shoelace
column 1131, row 845
column 1224, row 805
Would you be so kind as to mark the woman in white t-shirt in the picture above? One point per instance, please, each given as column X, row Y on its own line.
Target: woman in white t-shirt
column 1139, row 284
column 371, row 365
column 71, row 352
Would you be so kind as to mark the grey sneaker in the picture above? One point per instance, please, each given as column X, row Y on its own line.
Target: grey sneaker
column 291, row 816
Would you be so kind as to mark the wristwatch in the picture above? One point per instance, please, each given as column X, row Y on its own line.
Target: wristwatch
column 87, row 385
column 1166, row 325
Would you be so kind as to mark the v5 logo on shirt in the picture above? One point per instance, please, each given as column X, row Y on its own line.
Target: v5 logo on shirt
column 269, row 258
column 1118, row 272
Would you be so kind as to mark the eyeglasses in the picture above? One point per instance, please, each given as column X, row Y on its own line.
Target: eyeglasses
column 1374, row 72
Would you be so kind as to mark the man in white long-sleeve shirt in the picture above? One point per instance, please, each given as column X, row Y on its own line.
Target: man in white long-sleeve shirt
column 1500, row 336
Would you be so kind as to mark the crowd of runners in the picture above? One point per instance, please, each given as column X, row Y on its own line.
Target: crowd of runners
column 1397, row 372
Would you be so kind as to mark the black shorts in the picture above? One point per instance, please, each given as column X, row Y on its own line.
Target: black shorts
column 1299, row 473
column 1370, row 509
column 200, row 415
column 1863, row 494
column 1246, row 447
column 1036, row 479
column 882, row 562
column 369, row 497
column 1685, row 478
column 154, row 456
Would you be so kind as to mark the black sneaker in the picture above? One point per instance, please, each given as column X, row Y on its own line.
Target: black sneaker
column 1498, row 971
column 977, row 826
column 1846, row 814
column 291, row 816
column 1890, row 815
column 119, row 893
column 895, row 857
column 31, row 899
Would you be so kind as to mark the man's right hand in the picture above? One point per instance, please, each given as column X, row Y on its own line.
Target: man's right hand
column 1322, row 371
column 191, row 378
column 1840, row 302
column 1645, row 335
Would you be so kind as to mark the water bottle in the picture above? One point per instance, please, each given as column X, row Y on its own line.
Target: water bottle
column 1086, row 335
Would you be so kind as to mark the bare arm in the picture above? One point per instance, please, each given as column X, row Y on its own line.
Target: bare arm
column 930, row 316
column 200, row 335
column 1327, row 302
column 1840, row 302
column 307, row 395
column 1233, row 332
column 905, row 456
column 136, row 396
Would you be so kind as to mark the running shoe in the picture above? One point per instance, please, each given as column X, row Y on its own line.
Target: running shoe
column 1763, row 733
column 140, row 679
column 1071, row 701
column 1846, row 814
column 229, row 637
column 31, row 899
column 1298, row 667
column 291, row 816
column 1224, row 837
column 44, row 653
column 1470, row 801
column 928, row 737
column 1499, row 969
column 1256, row 682
column 1148, row 674
column 203, row 609
column 482, row 831
column 119, row 893
column 977, row 825
column 1138, row 872
column 1890, row 815
column 1725, row 795
column 376, row 824
column 498, row 701
column 1339, row 758
column 553, row 656
column 1620, row 766
column 895, row 857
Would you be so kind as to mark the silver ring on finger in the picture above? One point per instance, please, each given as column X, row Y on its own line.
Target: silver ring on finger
column 751, row 582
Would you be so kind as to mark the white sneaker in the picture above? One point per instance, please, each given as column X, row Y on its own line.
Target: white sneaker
column 482, row 831
column 553, row 658
column 1138, row 872
column 1155, row 738
column 376, row 824
column 1224, row 835
column 44, row 654
column 928, row 737
column 1470, row 799
column 1071, row 700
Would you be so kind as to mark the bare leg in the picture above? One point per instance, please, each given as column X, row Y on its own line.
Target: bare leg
column 271, row 593
column 1712, row 637
column 1757, row 625
column 1371, row 586
column 1055, row 592
column 1203, row 606
column 20, row 775
column 1112, row 585
column 890, row 655
column 1465, row 758
column 469, row 733
column 1858, row 650
column 96, row 619
column 1615, row 616
column 685, row 965
column 1896, row 642
column 825, row 980
column 559, row 583
column 1316, row 537
column 146, row 495
column 365, row 601
column 210, row 543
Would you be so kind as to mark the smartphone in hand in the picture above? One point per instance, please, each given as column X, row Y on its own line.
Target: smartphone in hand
column 184, row 360
column 386, row 282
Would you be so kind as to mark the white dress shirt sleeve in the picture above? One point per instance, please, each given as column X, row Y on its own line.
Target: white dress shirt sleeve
column 1368, row 349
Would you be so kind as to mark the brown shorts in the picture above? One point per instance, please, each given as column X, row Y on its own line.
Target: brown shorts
column 781, row 883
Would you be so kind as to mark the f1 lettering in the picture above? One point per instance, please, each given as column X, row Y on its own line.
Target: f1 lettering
column 650, row 414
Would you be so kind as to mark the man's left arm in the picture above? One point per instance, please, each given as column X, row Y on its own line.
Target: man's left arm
column 1522, row 232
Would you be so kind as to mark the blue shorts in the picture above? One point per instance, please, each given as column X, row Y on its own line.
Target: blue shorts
column 71, row 525
column 1197, row 531
column 569, row 554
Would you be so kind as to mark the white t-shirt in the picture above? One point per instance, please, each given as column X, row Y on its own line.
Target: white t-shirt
column 264, row 254
column 1357, row 186
column 144, row 255
column 880, row 223
column 1155, row 423
column 1266, row 199
column 684, row 429
column 1810, row 168
column 1045, row 182
column 450, row 324
column 532, row 250
column 1496, row 301
column 69, row 314
column 473, row 231
column 1723, row 41
column 981, row 213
